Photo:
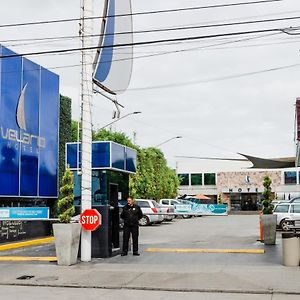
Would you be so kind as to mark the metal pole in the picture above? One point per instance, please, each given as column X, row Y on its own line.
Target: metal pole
column 86, row 121
column 173, row 138
column 132, row 113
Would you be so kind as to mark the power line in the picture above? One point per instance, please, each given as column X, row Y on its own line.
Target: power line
column 183, row 28
column 142, row 13
column 152, row 42
column 214, row 79
column 160, row 53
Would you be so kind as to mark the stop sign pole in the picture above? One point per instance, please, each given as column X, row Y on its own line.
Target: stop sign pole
column 86, row 122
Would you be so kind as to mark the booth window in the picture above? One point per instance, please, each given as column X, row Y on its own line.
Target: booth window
column 196, row 179
column 183, row 179
column 209, row 179
column 290, row 177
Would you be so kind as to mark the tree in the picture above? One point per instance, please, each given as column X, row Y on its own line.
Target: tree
column 267, row 193
column 65, row 203
column 153, row 178
column 65, row 121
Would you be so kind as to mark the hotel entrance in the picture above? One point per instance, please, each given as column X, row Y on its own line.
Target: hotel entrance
column 245, row 201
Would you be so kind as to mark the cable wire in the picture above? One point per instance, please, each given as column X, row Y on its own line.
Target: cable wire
column 151, row 42
column 141, row 13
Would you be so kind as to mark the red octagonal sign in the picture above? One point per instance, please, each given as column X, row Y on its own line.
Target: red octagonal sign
column 90, row 219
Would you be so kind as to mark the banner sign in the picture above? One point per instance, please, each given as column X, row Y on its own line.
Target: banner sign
column 8, row 213
column 113, row 64
column 29, row 110
column 202, row 209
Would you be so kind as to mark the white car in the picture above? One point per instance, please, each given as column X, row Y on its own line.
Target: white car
column 287, row 214
column 167, row 210
column 152, row 213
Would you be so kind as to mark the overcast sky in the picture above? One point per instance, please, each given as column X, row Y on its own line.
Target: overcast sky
column 219, row 95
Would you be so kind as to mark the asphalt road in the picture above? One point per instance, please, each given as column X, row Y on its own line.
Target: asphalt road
column 213, row 232
column 164, row 275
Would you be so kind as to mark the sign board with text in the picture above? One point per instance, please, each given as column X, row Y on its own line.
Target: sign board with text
column 29, row 110
column 90, row 219
column 24, row 213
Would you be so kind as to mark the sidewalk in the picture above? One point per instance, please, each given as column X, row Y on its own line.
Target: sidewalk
column 99, row 274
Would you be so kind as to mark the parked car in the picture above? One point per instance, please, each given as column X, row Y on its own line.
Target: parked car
column 167, row 209
column 294, row 200
column 152, row 213
column 287, row 213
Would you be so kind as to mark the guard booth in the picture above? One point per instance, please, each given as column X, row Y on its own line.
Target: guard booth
column 111, row 165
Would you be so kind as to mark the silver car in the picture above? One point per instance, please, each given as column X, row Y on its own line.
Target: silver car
column 152, row 212
column 287, row 214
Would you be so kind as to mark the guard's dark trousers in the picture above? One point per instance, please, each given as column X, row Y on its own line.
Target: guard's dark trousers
column 134, row 230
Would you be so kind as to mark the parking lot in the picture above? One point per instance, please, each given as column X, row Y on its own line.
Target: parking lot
column 209, row 232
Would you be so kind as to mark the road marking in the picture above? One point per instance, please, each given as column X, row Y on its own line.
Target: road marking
column 28, row 258
column 26, row 243
column 184, row 250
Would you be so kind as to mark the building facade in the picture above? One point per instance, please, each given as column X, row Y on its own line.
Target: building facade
column 240, row 189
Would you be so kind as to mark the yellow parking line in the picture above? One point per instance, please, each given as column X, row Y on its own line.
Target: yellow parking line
column 182, row 250
column 26, row 243
column 28, row 258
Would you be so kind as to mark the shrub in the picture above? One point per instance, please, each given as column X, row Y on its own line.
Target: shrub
column 266, row 203
column 65, row 203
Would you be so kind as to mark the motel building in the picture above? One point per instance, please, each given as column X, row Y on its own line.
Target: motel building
column 238, row 186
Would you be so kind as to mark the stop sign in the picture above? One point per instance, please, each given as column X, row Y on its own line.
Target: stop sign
column 90, row 219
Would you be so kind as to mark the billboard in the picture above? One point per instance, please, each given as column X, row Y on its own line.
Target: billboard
column 29, row 110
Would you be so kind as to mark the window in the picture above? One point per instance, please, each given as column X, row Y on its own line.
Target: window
column 295, row 209
column 196, row 179
column 183, row 179
column 290, row 177
column 174, row 202
column 209, row 179
column 282, row 208
column 296, row 200
column 142, row 203
column 155, row 204
column 166, row 202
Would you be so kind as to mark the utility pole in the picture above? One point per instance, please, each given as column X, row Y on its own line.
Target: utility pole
column 86, row 32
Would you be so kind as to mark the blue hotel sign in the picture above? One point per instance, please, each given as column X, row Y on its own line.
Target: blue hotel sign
column 29, row 109
column 23, row 213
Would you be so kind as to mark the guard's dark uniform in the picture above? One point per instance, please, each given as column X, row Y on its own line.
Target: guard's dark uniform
column 131, row 215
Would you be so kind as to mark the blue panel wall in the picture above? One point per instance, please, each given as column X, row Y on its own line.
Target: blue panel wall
column 101, row 155
column 49, row 110
column 28, row 128
column 9, row 131
column 117, row 156
column 105, row 155
column 29, row 152
column 130, row 160
column 72, row 155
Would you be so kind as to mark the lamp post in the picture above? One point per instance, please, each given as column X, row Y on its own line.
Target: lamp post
column 173, row 138
column 132, row 113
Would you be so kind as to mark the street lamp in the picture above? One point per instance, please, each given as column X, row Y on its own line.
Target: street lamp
column 173, row 138
column 132, row 113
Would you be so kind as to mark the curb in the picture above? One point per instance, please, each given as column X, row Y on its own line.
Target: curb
column 26, row 243
column 191, row 290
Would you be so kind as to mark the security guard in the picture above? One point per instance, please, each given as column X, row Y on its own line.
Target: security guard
column 131, row 215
